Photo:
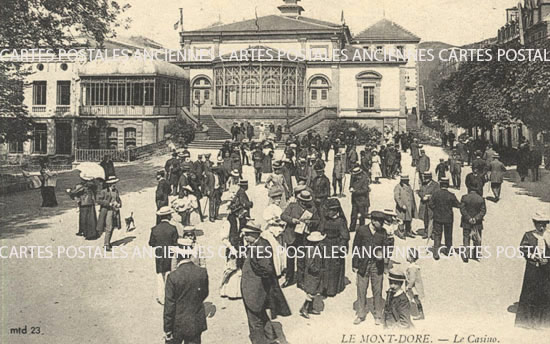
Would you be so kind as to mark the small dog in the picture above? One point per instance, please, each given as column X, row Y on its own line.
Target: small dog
column 130, row 224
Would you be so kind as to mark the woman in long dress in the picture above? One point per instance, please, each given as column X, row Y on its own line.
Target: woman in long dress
column 334, row 226
column 376, row 171
column 48, row 185
column 85, row 193
column 277, row 181
column 534, row 301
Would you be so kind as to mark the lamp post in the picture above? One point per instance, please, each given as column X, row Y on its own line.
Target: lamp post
column 198, row 103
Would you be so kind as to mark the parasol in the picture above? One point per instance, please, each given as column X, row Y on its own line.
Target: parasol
column 91, row 170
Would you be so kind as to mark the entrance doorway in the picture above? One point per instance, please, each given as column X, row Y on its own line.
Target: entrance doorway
column 63, row 138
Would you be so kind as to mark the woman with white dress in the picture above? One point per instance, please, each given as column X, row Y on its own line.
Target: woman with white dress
column 376, row 171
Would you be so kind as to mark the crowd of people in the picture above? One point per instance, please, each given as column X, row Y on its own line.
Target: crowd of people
column 305, row 212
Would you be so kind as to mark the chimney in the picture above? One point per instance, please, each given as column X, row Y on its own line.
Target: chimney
column 291, row 8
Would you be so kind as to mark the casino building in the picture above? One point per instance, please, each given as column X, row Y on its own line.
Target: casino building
column 303, row 91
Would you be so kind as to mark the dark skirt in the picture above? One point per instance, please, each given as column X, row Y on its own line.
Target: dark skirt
column 266, row 164
column 48, row 196
column 534, row 301
column 333, row 280
column 88, row 222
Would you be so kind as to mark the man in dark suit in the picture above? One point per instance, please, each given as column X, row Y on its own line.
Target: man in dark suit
column 258, row 158
column 423, row 165
column 497, row 170
column 291, row 215
column 370, row 246
column 360, row 202
column 474, row 181
column 473, row 210
column 212, row 190
column 186, row 290
column 241, row 204
column 260, row 286
column 163, row 236
column 108, row 166
column 172, row 168
column 320, row 186
column 162, row 192
column 427, row 189
column 442, row 203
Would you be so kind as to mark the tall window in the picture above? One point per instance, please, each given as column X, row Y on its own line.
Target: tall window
column 63, row 93
column 40, row 138
column 39, row 93
column 313, row 94
column 165, row 94
column 251, row 93
column 112, row 138
column 137, row 93
column 148, row 93
column 129, row 138
column 368, row 96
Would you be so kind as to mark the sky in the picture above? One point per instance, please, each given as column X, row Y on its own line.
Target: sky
column 456, row 22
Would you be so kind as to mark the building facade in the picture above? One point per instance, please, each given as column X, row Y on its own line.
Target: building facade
column 114, row 104
column 297, row 83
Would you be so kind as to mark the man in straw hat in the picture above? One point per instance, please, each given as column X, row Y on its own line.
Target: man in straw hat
column 405, row 206
column 163, row 236
column 260, row 285
column 299, row 216
column 360, row 202
column 496, row 170
column 370, row 246
column 186, row 290
column 109, row 213
column 441, row 204
column 397, row 311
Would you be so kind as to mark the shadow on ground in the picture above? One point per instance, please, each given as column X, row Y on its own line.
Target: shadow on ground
column 540, row 189
column 21, row 213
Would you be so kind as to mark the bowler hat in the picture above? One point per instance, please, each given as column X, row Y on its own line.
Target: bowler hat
column 333, row 203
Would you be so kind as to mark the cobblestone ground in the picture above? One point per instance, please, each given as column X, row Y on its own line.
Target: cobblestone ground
column 113, row 300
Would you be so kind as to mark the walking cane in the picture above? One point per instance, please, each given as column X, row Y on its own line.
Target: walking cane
column 414, row 181
column 205, row 203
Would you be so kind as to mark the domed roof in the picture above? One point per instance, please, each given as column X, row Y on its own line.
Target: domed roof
column 131, row 66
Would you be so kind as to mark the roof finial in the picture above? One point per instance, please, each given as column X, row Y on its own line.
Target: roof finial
column 342, row 19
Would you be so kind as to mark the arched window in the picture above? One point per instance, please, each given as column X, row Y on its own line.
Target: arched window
column 289, row 92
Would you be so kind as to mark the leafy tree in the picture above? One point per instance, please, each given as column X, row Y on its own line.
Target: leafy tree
column 32, row 24
column 180, row 130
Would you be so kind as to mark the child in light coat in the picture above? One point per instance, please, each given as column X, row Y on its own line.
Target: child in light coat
column 415, row 287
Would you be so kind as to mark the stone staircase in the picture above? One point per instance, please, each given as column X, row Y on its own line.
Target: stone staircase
column 206, row 144
column 215, row 132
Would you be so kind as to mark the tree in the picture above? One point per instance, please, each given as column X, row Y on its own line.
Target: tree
column 31, row 24
column 180, row 130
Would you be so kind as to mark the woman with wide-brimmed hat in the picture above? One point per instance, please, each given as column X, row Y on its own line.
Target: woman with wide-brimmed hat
column 534, row 301
column 277, row 181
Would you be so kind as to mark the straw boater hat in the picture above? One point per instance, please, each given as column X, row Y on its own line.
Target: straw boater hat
column 166, row 210
column 235, row 173
column 377, row 215
column 444, row 182
column 220, row 159
column 305, row 196
column 427, row 174
column 112, row 180
column 356, row 170
column 277, row 164
column 390, row 212
column 397, row 276
column 404, row 177
column 293, row 145
column 541, row 216
column 184, row 248
column 496, row 155
column 243, row 182
column 251, row 229
column 316, row 236
column 275, row 192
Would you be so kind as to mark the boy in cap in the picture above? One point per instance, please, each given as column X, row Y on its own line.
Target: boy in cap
column 397, row 311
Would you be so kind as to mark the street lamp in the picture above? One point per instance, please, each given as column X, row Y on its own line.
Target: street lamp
column 198, row 103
